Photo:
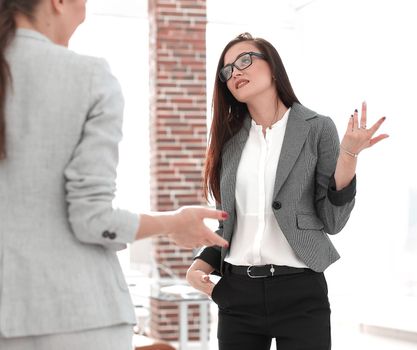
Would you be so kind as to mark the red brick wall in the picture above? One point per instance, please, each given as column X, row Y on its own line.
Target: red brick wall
column 178, row 130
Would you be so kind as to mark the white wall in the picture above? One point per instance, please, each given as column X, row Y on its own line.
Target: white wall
column 118, row 31
column 349, row 51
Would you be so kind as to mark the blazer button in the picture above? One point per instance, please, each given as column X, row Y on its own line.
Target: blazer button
column 276, row 205
column 106, row 234
column 112, row 235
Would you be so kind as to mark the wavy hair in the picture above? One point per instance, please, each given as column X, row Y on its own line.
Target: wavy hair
column 228, row 113
column 8, row 10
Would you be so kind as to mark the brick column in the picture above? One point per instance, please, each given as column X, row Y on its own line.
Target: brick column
column 178, row 133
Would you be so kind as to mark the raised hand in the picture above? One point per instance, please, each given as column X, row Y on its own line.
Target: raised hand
column 358, row 136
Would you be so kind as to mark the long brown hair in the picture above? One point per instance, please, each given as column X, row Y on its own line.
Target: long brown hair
column 8, row 9
column 229, row 113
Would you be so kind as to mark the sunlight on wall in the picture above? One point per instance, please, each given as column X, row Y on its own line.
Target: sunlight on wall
column 352, row 52
column 118, row 31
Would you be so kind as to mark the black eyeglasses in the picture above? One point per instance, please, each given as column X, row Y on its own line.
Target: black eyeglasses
column 243, row 61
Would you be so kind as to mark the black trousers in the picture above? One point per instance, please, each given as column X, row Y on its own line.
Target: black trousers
column 294, row 309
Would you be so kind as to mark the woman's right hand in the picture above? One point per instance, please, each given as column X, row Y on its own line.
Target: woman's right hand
column 185, row 226
column 198, row 276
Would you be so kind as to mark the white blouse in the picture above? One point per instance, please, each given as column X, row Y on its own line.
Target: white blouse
column 257, row 237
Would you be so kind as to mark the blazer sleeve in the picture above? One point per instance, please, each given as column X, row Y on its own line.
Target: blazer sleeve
column 212, row 255
column 91, row 172
column 333, row 207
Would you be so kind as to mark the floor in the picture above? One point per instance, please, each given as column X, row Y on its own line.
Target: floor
column 360, row 324
column 346, row 335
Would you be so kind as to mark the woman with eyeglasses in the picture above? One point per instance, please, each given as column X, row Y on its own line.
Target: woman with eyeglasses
column 61, row 285
column 287, row 183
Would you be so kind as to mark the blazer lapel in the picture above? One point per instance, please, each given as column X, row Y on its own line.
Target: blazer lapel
column 230, row 162
column 295, row 135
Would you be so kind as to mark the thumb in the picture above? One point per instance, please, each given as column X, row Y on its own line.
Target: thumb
column 215, row 239
column 205, row 278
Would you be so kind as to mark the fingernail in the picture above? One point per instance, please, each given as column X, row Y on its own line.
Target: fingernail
column 351, row 115
column 225, row 215
column 356, row 111
column 384, row 118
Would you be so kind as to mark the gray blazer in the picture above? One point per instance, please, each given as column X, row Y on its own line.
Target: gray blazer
column 58, row 231
column 306, row 205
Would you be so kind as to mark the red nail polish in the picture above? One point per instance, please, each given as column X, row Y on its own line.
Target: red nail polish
column 225, row 215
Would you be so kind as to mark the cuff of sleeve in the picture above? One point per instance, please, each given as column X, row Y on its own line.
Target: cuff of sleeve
column 343, row 196
column 125, row 229
column 211, row 256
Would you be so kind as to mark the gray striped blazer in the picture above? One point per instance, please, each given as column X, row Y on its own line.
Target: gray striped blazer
column 58, row 231
column 305, row 203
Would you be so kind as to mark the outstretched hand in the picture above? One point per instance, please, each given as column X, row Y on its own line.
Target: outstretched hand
column 185, row 226
column 358, row 136
column 189, row 230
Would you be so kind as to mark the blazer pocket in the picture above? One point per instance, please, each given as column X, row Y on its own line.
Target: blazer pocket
column 116, row 270
column 217, row 295
column 309, row 222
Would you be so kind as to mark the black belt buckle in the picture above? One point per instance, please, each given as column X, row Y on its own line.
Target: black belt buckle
column 248, row 272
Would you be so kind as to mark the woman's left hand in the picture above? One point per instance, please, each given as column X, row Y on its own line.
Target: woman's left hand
column 358, row 136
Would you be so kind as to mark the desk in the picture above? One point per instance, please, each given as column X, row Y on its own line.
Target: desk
column 185, row 295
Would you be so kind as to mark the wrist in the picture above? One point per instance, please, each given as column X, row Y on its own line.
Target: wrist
column 348, row 152
column 152, row 224
column 202, row 266
column 347, row 160
column 167, row 222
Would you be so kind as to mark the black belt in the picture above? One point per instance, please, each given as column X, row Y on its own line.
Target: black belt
column 262, row 271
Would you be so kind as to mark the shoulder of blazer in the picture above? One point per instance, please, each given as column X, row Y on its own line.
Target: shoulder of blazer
column 35, row 44
column 315, row 120
column 299, row 111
